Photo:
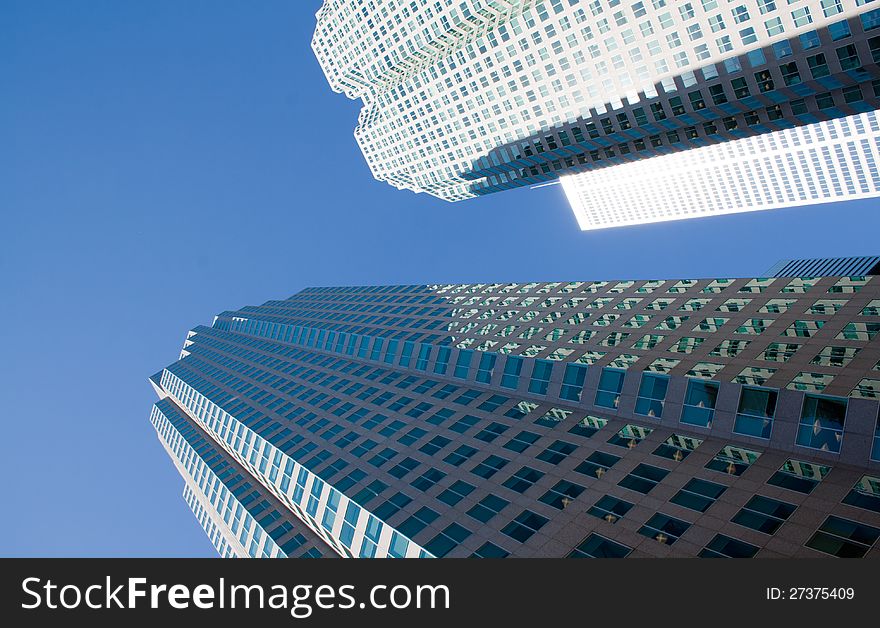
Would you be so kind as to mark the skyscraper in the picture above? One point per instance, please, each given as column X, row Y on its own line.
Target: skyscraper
column 683, row 417
column 472, row 97
column 824, row 162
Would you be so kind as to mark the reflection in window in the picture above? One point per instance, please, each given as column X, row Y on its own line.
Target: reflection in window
column 652, row 393
column 699, row 403
column 664, row 529
column 610, row 509
column 865, row 494
column 573, row 382
column 821, row 423
column 800, row 476
column 733, row 460
column 541, row 372
column 780, row 351
column 610, row 385
column 754, row 416
column 677, row 447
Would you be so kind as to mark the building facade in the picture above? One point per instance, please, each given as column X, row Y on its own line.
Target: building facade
column 824, row 162
column 472, row 97
column 692, row 417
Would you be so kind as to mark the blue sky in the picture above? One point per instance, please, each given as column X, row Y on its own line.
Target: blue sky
column 161, row 162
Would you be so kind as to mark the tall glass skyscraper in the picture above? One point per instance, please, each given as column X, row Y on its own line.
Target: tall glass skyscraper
column 681, row 417
column 471, row 97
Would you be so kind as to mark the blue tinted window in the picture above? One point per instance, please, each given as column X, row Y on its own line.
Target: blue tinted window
column 610, row 385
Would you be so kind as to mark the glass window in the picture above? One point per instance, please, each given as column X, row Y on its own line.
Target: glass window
column 727, row 547
column 597, row 464
column 664, row 529
column 733, row 460
column 754, row 416
column 652, row 393
column 512, row 370
column 573, row 382
column 821, row 423
column 562, row 494
column 843, row 538
column 699, row 403
column 677, row 447
column 610, row 509
column 463, row 363
column 595, row 546
column 486, row 367
column 698, row 494
column 865, row 494
column 524, row 526
column 610, row 385
column 764, row 514
column 541, row 372
column 643, row 478
column 800, row 476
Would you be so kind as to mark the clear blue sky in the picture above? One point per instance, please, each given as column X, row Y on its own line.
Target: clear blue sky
column 163, row 161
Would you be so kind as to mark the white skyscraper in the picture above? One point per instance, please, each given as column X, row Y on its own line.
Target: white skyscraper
column 470, row 97
column 828, row 161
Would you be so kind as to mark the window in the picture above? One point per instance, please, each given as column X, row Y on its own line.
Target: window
column 487, row 508
column 699, row 403
column 727, row 547
column 562, row 494
column 630, row 435
column 460, row 455
column 423, row 517
column 463, row 363
column 664, row 529
column 802, row 16
column 524, row 526
column 764, row 514
column 848, row 57
column 597, row 464
column 486, row 367
column 447, row 540
column 754, row 416
column 588, row 426
column 523, row 479
column 455, row 493
column 677, row 447
column 865, row 494
column 512, row 369
column 442, row 360
column 652, row 393
column 393, row 505
column 490, row 550
column 541, row 373
column 610, row 509
column 428, row 479
column 843, row 538
column 698, row 494
column 464, row 424
column 595, row 546
column 790, row 74
column 489, row 467
column 643, row 478
column 800, row 476
column 491, row 432
column 821, row 423
column 521, row 441
column 573, row 382
column 733, row 460
column 557, row 452
column 610, row 385
column 875, row 450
